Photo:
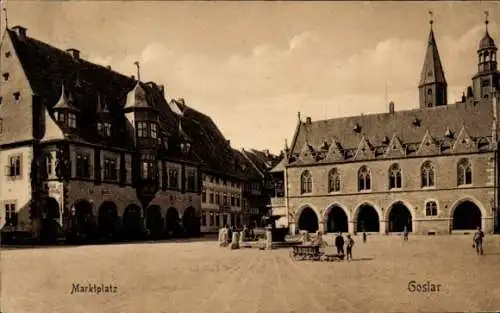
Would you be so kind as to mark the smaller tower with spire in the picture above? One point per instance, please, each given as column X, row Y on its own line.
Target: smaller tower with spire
column 432, row 86
column 487, row 77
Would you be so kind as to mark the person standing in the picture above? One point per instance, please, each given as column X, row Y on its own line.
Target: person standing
column 477, row 241
column 405, row 233
column 349, row 245
column 339, row 243
column 364, row 237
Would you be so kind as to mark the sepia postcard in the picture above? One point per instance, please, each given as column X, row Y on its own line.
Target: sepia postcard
column 249, row 157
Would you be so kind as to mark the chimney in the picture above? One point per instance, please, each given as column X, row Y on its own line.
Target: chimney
column 266, row 152
column 132, row 76
column 228, row 142
column 308, row 120
column 391, row 107
column 162, row 89
column 20, row 32
column 75, row 53
column 108, row 67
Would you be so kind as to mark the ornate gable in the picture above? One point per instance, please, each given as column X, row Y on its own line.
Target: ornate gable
column 307, row 154
column 395, row 148
column 464, row 142
column 335, row 152
column 428, row 145
column 365, row 150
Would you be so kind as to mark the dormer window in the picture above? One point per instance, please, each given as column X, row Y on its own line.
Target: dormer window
column 71, row 120
column 104, row 128
column 61, row 117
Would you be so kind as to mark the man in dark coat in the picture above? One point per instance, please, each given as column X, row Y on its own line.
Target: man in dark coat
column 339, row 243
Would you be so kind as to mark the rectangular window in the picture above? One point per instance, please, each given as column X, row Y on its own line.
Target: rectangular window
column 224, row 197
column 10, row 214
column 212, row 219
column 5, row 76
column 110, row 172
column 173, row 178
column 147, row 169
column 142, row 129
column 233, row 202
column 203, row 219
column 217, row 220
column 48, row 163
column 82, row 165
column 190, row 180
column 61, row 117
column 71, row 120
column 153, row 130
column 237, row 201
column 99, row 127
column 107, row 129
column 204, row 197
column 217, row 198
column 211, row 198
column 13, row 169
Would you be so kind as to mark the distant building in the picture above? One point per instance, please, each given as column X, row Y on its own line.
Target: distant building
column 433, row 169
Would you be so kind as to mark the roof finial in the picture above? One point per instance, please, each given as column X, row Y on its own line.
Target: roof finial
column 136, row 63
column 4, row 9
column 431, row 18
column 486, row 22
column 298, row 115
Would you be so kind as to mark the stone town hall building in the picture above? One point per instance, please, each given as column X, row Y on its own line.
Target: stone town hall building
column 84, row 146
column 433, row 169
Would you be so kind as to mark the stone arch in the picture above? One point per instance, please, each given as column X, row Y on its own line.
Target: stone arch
column 132, row 222
column 307, row 219
column 336, row 218
column 82, row 220
column 367, row 217
column 398, row 215
column 107, row 219
column 50, row 222
column 466, row 214
column 172, row 222
column 190, row 222
column 154, row 221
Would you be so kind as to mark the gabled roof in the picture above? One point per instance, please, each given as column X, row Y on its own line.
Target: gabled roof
column 376, row 128
column 432, row 70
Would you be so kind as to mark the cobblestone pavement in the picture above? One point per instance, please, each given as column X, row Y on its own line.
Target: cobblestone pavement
column 201, row 277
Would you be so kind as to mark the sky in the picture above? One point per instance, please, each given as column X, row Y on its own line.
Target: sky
column 252, row 66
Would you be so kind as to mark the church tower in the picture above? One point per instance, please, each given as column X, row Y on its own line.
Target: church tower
column 487, row 78
column 432, row 86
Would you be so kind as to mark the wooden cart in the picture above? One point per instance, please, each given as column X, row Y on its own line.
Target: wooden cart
column 313, row 252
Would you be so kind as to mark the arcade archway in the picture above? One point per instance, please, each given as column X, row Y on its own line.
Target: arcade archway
column 367, row 219
column 399, row 217
column 172, row 223
column 50, row 226
column 82, row 222
column 154, row 221
column 191, row 223
column 132, row 222
column 336, row 220
column 466, row 216
column 107, row 219
column 308, row 220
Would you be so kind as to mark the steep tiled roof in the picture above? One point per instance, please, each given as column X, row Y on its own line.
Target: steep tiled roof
column 247, row 168
column 409, row 126
column 432, row 71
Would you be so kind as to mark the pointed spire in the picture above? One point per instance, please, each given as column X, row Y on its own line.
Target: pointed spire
column 137, row 64
column 486, row 22
column 432, row 71
column 65, row 102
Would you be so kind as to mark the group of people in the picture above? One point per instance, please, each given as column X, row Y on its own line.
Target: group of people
column 348, row 243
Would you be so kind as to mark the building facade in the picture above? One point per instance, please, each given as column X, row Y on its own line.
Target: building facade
column 89, row 150
column 433, row 170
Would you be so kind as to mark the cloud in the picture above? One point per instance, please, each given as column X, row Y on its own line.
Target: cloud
column 254, row 97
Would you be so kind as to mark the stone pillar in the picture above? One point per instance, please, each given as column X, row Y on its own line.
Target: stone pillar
column 292, row 227
column 241, row 239
column 235, row 240
column 351, row 226
column 269, row 239
column 383, row 227
column 322, row 226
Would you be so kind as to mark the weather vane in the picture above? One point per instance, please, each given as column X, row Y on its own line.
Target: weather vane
column 486, row 14
column 431, row 16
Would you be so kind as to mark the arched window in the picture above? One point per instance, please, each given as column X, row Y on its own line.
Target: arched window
column 464, row 172
column 427, row 173
column 395, row 179
column 364, row 179
column 429, row 91
column 306, row 182
column 334, row 180
column 431, row 208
